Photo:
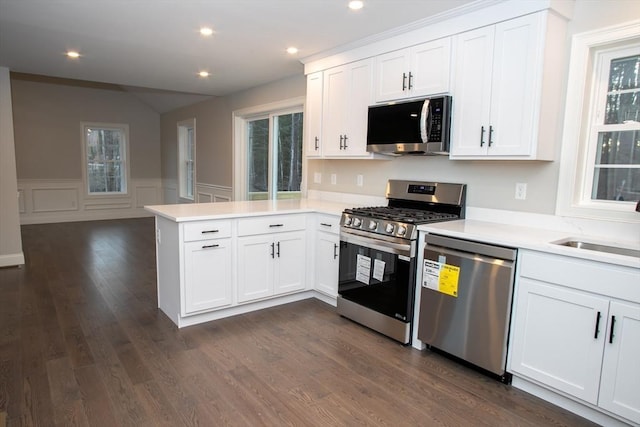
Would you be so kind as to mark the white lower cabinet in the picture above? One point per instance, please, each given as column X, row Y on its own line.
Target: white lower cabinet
column 570, row 334
column 327, row 254
column 272, row 263
column 619, row 386
column 207, row 275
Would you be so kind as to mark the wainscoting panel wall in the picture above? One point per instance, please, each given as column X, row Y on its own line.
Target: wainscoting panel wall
column 205, row 193
column 44, row 201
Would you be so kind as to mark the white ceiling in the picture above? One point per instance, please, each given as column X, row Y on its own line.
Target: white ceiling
column 155, row 44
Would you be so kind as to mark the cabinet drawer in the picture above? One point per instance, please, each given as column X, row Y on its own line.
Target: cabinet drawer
column 591, row 276
column 328, row 223
column 204, row 230
column 271, row 224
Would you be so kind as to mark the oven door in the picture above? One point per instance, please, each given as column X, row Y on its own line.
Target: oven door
column 378, row 275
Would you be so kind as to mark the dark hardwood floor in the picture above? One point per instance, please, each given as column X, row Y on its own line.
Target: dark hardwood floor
column 83, row 343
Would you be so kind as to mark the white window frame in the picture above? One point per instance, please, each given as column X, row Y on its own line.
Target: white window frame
column 578, row 139
column 85, row 174
column 240, row 118
column 182, row 132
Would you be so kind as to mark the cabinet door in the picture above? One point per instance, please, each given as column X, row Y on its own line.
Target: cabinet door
column 334, row 109
column 255, row 267
column 555, row 340
column 392, row 75
column 290, row 262
column 514, row 85
column 621, row 364
column 327, row 262
column 207, row 275
column 430, row 68
column 359, row 99
column 472, row 92
column 313, row 115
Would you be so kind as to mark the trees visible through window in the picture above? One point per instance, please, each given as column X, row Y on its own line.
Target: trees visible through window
column 615, row 132
column 274, row 156
column 105, row 149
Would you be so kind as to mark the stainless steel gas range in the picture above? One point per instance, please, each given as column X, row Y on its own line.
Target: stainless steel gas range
column 378, row 253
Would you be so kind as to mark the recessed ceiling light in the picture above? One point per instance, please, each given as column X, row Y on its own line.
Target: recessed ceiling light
column 73, row 54
column 356, row 4
column 292, row 50
column 203, row 74
column 206, row 31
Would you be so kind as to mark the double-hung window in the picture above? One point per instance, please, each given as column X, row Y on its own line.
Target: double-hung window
column 105, row 158
column 600, row 167
column 614, row 137
column 187, row 159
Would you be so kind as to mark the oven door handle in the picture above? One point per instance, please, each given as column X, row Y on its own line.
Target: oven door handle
column 367, row 242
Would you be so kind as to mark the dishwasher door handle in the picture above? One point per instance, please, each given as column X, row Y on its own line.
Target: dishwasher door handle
column 486, row 249
column 465, row 255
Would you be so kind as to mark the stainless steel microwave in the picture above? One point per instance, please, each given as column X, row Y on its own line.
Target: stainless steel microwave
column 419, row 127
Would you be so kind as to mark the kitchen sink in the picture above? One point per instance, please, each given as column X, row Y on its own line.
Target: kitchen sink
column 599, row 247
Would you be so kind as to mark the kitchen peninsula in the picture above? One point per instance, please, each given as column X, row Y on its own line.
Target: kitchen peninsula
column 216, row 260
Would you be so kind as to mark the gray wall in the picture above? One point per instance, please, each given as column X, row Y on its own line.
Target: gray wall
column 10, row 239
column 47, row 113
column 214, row 133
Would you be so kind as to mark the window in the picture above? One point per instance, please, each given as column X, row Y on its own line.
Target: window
column 614, row 140
column 187, row 159
column 600, row 168
column 105, row 158
column 269, row 152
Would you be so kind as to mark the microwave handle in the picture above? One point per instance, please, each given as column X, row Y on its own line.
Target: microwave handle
column 425, row 121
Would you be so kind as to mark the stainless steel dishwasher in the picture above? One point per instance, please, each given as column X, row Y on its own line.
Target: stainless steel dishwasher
column 465, row 303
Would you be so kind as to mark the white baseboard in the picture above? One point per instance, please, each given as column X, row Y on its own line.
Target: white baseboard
column 12, row 260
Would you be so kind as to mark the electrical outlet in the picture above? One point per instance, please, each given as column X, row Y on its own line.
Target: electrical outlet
column 359, row 180
column 317, row 177
column 521, row 191
column 334, row 178
column 158, row 236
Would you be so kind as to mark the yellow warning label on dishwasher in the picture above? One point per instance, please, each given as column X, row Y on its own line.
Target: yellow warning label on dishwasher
column 448, row 283
column 441, row 277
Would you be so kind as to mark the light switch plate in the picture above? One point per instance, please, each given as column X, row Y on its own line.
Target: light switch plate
column 334, row 178
column 359, row 180
column 317, row 177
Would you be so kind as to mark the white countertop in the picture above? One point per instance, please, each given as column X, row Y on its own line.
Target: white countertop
column 220, row 210
column 533, row 238
column 516, row 236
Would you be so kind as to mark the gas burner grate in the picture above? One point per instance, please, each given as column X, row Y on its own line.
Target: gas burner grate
column 411, row 216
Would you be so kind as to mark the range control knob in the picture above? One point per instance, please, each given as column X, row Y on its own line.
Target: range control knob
column 389, row 228
column 373, row 225
column 402, row 230
column 357, row 222
column 347, row 220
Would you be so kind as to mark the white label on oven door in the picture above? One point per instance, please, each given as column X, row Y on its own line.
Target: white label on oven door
column 363, row 269
column 378, row 269
column 431, row 274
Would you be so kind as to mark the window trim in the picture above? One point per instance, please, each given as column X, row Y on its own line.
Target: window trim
column 574, row 156
column 240, row 118
column 180, row 126
column 127, row 171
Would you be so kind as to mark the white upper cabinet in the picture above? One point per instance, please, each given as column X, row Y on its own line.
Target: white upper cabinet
column 313, row 115
column 347, row 94
column 499, row 82
column 420, row 70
